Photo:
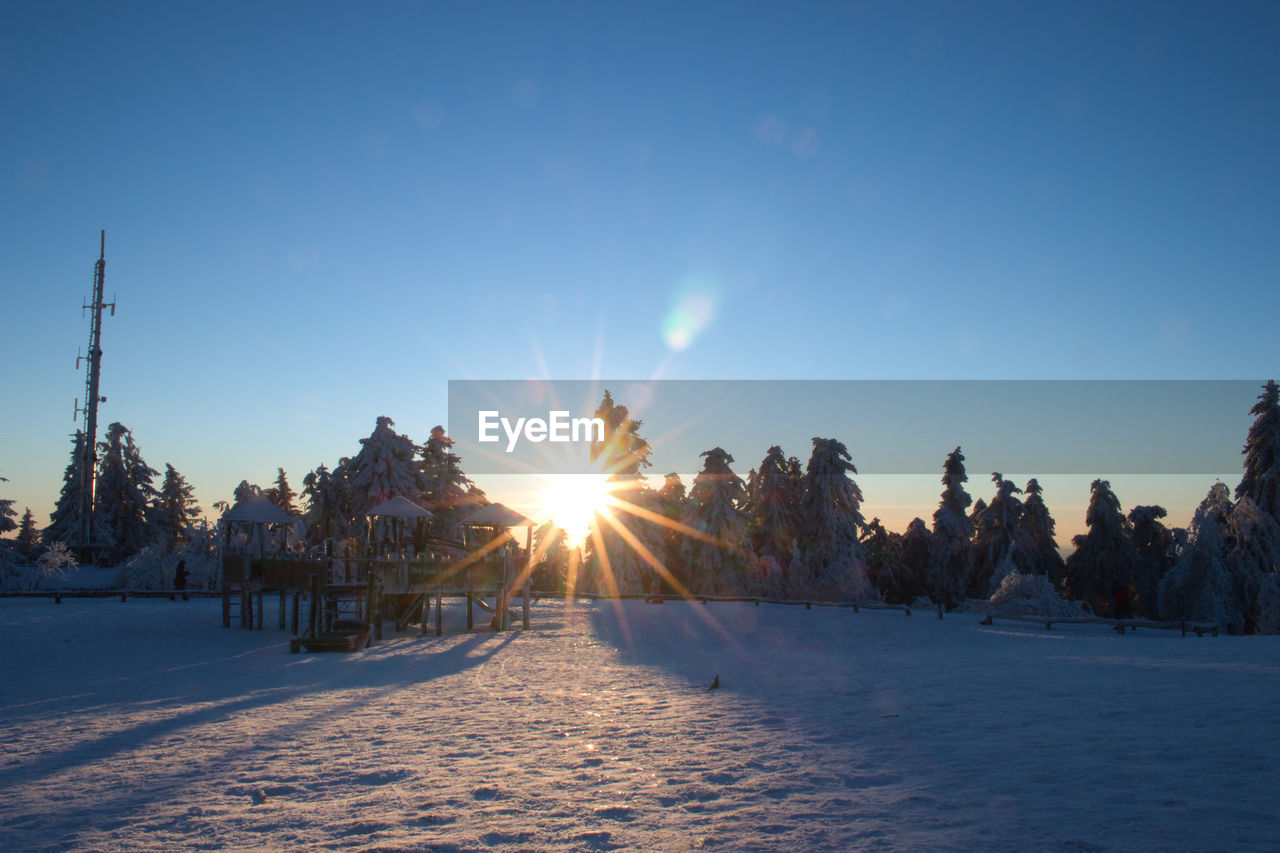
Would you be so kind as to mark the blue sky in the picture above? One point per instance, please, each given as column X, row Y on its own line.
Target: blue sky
column 319, row 213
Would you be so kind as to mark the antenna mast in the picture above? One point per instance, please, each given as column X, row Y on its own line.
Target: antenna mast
column 93, row 361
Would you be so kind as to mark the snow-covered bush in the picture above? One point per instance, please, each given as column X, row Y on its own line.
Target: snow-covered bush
column 53, row 565
column 1028, row 595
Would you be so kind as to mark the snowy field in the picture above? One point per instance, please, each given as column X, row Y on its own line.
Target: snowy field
column 146, row 726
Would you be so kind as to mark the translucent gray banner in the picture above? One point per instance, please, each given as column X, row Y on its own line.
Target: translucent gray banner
column 1096, row 427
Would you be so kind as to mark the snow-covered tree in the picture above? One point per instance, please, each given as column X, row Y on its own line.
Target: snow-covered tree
column 28, row 541
column 326, row 515
column 773, row 507
column 446, row 490
column 176, row 506
column 1201, row 586
column 66, row 521
column 282, row 494
column 616, row 562
column 917, row 546
column 886, row 570
column 1000, row 545
column 245, row 491
column 1153, row 556
column 951, row 554
column 1261, row 480
column 1254, row 539
column 830, row 523
column 1103, row 556
column 716, row 507
column 1037, row 526
column 672, row 501
column 124, row 493
column 7, row 513
column 385, row 467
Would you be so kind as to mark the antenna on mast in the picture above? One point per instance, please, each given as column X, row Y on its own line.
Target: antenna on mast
column 93, row 367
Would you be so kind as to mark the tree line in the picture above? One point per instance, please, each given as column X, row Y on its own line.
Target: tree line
column 788, row 530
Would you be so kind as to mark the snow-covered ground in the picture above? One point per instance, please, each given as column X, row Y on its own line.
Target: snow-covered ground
column 144, row 725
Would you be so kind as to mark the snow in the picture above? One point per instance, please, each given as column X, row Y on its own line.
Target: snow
column 144, row 725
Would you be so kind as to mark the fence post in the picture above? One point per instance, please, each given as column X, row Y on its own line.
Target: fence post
column 439, row 615
column 260, row 619
column 313, row 609
column 297, row 596
column 470, row 612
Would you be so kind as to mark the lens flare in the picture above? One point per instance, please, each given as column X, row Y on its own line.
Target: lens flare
column 691, row 313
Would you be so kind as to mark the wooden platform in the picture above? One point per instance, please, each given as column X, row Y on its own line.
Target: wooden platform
column 346, row 637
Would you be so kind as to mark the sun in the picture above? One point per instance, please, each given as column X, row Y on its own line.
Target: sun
column 572, row 501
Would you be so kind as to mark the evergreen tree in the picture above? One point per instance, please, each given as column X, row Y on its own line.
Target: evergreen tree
column 886, row 570
column 7, row 513
column 1253, row 537
column 28, row 535
column 1037, row 526
column 245, row 491
column 1103, row 556
column 1153, row 556
column 616, row 562
column 671, row 505
column 1261, row 480
column 917, row 546
column 773, row 508
column 951, row 548
column 66, row 521
column 716, row 507
column 1202, row 585
column 1000, row 545
column 124, row 493
column 282, row 494
column 384, row 468
column 446, row 490
column 831, row 519
column 176, row 506
column 326, row 505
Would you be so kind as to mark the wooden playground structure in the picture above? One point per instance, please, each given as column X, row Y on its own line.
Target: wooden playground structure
column 350, row 597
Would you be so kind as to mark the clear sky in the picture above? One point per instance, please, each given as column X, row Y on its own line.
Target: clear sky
column 318, row 213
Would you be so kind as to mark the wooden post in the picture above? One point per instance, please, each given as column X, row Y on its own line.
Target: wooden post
column 282, row 604
column 376, row 605
column 439, row 613
column 524, row 610
column 297, row 596
column 260, row 619
column 313, row 610
column 226, row 603
column 471, row 622
column 425, row 613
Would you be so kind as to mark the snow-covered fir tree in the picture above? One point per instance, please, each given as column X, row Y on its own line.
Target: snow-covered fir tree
column 624, row 543
column 886, row 570
column 1202, row 585
column 326, row 515
column 124, row 493
column 1000, row 544
column 773, row 508
column 672, row 501
column 1153, row 556
column 1254, row 539
column 244, row 491
column 66, row 521
column 384, row 468
column 917, row 546
column 282, row 494
column 830, row 523
column 7, row 512
column 1261, row 480
column 28, row 540
column 176, row 506
column 716, row 508
column 1037, row 526
column 951, row 549
column 446, row 490
column 1103, row 555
